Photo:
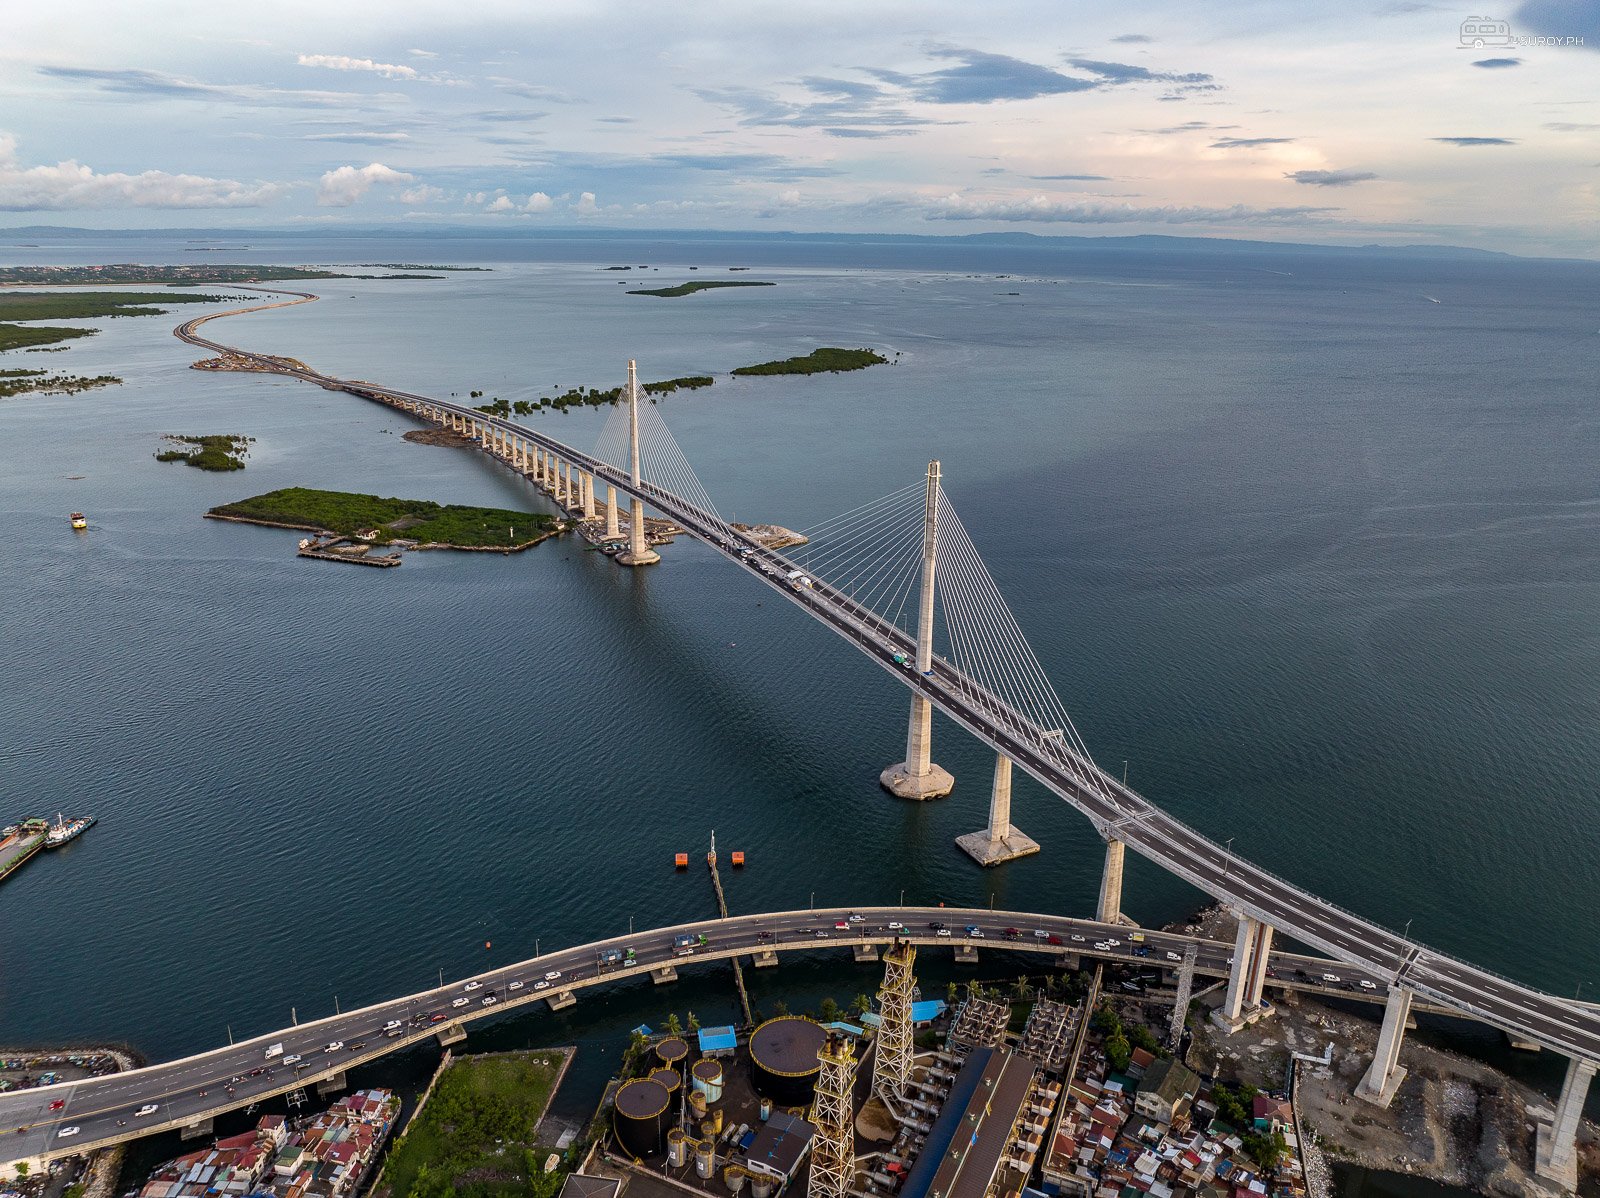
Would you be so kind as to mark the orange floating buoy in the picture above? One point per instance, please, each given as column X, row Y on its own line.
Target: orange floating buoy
column 485, row 944
column 738, row 857
column 681, row 860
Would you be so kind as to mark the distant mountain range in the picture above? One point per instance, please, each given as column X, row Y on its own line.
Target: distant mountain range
column 1151, row 242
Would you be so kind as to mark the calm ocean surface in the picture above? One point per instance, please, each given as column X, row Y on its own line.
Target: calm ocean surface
column 1310, row 541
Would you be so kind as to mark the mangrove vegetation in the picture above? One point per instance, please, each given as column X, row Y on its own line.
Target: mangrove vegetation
column 391, row 519
column 218, row 452
column 828, row 360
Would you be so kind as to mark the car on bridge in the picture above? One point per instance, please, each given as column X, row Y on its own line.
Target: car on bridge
column 553, row 976
column 1012, row 933
column 460, row 1002
column 1367, row 984
column 67, row 1131
column 973, row 931
column 515, row 986
column 333, row 1046
column 148, row 1108
column 896, row 926
column 293, row 1059
column 392, row 1025
column 58, row 1104
column 471, row 986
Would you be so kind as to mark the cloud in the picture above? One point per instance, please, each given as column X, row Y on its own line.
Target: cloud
column 982, row 78
column 71, row 185
column 833, row 110
column 1121, row 72
column 617, row 120
column 586, row 205
column 1133, row 39
column 156, row 86
column 1495, row 64
column 422, row 53
column 1570, row 127
column 359, row 139
column 1330, row 178
column 539, row 202
column 1561, row 18
column 855, row 132
column 1186, row 127
column 530, row 91
column 767, row 166
column 1247, row 143
column 501, row 204
column 422, row 194
column 342, row 187
column 1476, row 141
column 1042, row 209
column 342, row 62
column 1072, row 178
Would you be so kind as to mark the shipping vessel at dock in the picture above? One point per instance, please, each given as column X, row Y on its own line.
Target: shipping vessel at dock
column 65, row 831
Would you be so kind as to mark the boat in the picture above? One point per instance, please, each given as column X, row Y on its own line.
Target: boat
column 79, row 520
column 64, row 831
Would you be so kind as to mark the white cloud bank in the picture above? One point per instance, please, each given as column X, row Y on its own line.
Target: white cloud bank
column 343, row 62
column 71, row 185
column 343, row 187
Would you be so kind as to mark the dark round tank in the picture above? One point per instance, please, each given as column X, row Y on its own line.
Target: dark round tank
column 783, row 1059
column 668, row 1078
column 641, row 1118
column 671, row 1050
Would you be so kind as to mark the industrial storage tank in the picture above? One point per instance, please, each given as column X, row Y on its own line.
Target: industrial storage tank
column 783, row 1059
column 668, row 1078
column 705, row 1158
column 711, row 1125
column 677, row 1148
column 760, row 1185
column 640, row 1118
column 708, row 1079
column 671, row 1050
column 735, row 1176
column 697, row 1104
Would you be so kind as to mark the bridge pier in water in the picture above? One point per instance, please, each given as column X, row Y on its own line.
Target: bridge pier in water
column 917, row 777
column 638, row 552
column 1109, row 909
column 999, row 842
column 1246, row 977
column 1386, row 1073
column 1555, row 1156
column 613, row 525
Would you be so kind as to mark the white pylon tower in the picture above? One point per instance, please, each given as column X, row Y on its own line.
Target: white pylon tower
column 917, row 777
column 892, row 1059
column 638, row 552
column 833, row 1156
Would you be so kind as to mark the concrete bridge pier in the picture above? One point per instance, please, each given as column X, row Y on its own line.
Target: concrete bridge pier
column 1386, row 1073
column 194, row 1131
column 589, row 512
column 1556, row 1156
column 331, row 1085
column 638, row 552
column 556, row 492
column 574, row 485
column 999, row 842
column 1110, row 908
column 917, row 777
column 1251, row 949
column 613, row 525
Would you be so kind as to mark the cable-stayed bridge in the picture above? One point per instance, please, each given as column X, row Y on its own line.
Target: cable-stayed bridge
column 863, row 575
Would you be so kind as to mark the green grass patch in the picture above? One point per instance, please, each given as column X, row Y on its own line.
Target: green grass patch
column 827, row 360
column 412, row 519
column 219, row 452
column 702, row 285
column 16, row 336
column 77, row 305
column 40, row 382
column 475, row 1137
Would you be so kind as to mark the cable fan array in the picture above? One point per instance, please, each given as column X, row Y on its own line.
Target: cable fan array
column 662, row 463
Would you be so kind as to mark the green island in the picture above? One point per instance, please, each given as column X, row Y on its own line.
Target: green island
column 42, row 382
column 699, row 285
column 78, row 305
column 580, row 397
column 391, row 519
column 419, row 266
column 477, row 1134
column 827, row 360
column 218, row 452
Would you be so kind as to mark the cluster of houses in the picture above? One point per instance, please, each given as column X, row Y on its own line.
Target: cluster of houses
column 1154, row 1130
column 327, row 1156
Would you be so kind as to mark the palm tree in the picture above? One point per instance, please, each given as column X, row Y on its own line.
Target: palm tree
column 861, row 1004
column 674, row 1028
column 1021, row 989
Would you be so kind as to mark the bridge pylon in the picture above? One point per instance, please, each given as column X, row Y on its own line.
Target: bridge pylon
column 638, row 552
column 917, row 777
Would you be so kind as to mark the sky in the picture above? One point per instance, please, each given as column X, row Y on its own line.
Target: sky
column 1265, row 119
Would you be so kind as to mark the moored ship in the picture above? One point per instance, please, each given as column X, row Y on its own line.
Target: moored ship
column 79, row 520
column 63, row 831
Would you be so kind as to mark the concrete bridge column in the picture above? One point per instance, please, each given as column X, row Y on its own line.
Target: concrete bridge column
column 999, row 841
column 1251, row 948
column 1556, row 1156
column 485, row 435
column 589, row 512
column 538, row 465
column 1110, row 908
column 917, row 777
column 638, row 552
column 613, row 526
column 574, row 485
column 555, row 478
column 1386, row 1073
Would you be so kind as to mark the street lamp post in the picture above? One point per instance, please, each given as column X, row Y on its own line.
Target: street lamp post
column 1228, row 860
column 813, row 900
